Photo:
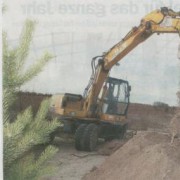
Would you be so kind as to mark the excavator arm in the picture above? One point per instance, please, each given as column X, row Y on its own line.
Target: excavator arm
column 160, row 21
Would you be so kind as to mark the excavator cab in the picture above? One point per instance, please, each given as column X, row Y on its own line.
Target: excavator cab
column 116, row 96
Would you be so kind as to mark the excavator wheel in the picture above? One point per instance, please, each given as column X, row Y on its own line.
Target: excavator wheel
column 119, row 133
column 79, row 137
column 90, row 137
column 122, row 132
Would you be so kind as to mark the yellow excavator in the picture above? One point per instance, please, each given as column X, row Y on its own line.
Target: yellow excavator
column 102, row 110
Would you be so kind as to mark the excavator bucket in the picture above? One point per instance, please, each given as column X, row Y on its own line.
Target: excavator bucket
column 179, row 52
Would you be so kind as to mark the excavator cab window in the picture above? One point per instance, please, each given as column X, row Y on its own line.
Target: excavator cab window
column 116, row 99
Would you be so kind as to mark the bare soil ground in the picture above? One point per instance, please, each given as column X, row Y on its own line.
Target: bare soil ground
column 70, row 164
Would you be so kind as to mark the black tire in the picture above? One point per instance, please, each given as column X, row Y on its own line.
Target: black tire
column 90, row 137
column 79, row 134
column 122, row 132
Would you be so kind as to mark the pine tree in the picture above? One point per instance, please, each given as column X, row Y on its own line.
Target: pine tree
column 24, row 131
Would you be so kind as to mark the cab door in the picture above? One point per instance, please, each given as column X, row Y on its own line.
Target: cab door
column 116, row 99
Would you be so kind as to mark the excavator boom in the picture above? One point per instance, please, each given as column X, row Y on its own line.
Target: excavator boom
column 159, row 21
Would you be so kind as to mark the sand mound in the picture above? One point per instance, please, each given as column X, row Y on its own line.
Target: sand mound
column 148, row 155
column 110, row 147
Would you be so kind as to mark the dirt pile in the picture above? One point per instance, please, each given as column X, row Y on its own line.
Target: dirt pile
column 148, row 155
column 143, row 117
column 109, row 148
column 26, row 99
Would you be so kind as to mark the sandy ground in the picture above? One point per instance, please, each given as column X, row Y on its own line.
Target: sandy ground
column 71, row 164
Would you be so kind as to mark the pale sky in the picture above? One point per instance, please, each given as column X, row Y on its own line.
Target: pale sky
column 76, row 31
